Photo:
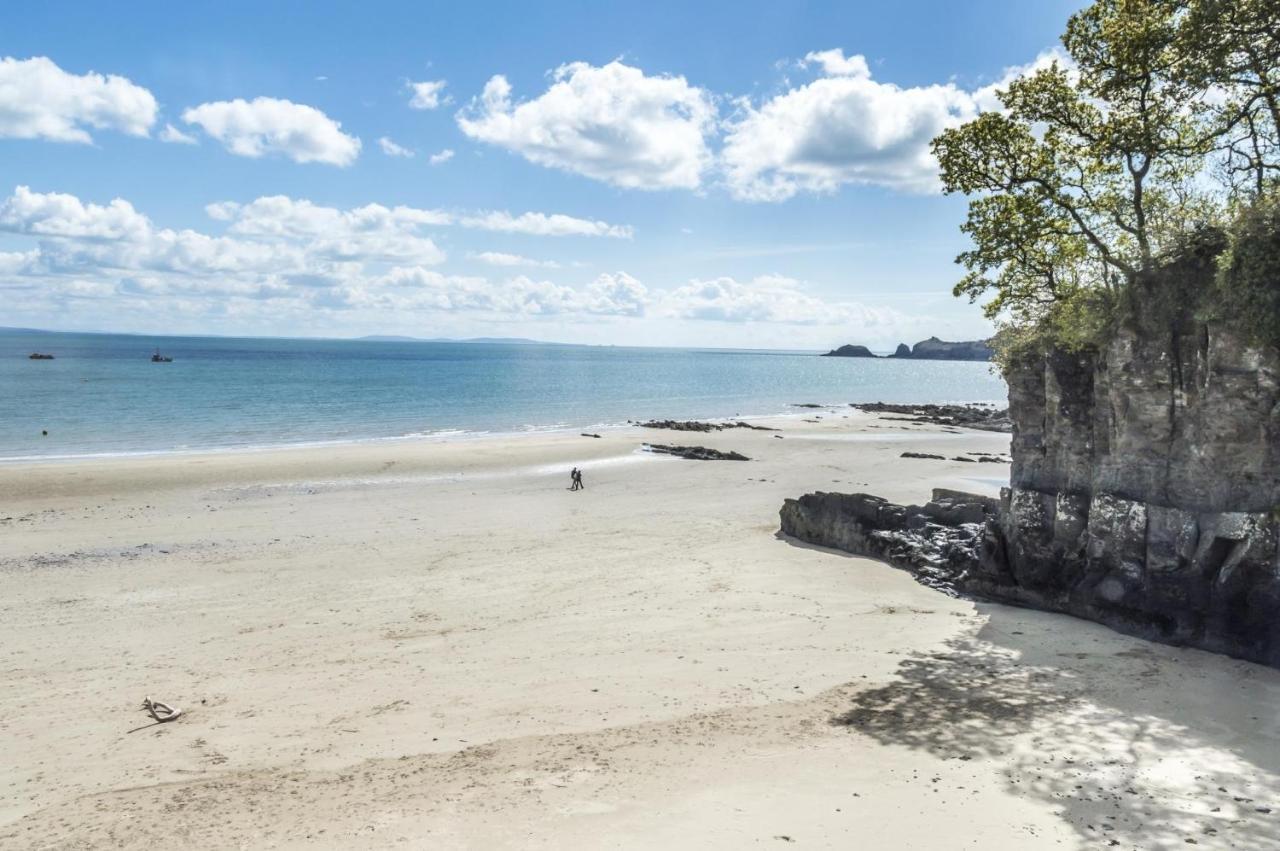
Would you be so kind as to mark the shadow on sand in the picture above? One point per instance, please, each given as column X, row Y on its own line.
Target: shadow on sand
column 1134, row 744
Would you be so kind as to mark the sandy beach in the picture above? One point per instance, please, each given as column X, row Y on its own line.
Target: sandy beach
column 437, row 644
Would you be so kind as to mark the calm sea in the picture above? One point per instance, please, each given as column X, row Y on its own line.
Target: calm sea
column 102, row 395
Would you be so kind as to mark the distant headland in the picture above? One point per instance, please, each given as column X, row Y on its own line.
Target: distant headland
column 930, row 349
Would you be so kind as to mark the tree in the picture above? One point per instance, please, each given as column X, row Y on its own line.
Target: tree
column 1232, row 48
column 1093, row 169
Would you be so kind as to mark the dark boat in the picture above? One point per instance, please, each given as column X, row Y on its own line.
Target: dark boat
column 159, row 358
column 39, row 356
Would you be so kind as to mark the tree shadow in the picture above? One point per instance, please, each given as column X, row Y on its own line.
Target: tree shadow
column 1134, row 745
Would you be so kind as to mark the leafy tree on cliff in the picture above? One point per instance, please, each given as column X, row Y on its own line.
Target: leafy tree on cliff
column 1232, row 48
column 1095, row 168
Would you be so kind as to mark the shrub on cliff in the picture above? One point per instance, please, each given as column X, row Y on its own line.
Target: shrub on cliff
column 1248, row 281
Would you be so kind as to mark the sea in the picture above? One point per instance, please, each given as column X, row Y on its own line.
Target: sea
column 102, row 395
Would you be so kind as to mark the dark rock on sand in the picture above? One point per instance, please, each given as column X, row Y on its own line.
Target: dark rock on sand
column 696, row 453
column 695, row 425
column 923, row 455
column 982, row 417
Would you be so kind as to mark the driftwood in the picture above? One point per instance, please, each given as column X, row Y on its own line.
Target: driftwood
column 162, row 712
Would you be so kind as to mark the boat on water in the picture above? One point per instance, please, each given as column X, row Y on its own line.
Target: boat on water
column 159, row 358
column 39, row 356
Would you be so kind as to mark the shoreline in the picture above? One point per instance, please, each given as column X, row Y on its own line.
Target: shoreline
column 442, row 436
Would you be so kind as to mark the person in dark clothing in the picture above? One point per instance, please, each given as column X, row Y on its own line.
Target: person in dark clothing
column 577, row 480
column 574, row 479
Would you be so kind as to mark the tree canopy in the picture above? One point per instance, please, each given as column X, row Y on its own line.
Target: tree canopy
column 1162, row 116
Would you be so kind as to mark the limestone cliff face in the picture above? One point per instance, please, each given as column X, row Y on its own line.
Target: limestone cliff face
column 1145, row 488
column 1144, row 494
column 1188, row 419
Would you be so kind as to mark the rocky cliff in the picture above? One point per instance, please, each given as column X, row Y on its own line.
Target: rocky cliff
column 930, row 349
column 1144, row 494
column 935, row 349
column 850, row 351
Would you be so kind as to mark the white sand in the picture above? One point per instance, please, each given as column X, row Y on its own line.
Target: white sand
column 420, row 644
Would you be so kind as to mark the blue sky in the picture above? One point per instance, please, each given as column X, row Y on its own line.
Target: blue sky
column 733, row 174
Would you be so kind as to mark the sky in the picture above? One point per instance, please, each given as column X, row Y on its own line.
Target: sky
column 743, row 174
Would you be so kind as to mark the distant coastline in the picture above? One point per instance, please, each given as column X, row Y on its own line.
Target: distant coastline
column 930, row 349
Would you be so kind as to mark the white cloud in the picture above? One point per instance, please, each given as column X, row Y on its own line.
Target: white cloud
column 612, row 123
column 60, row 215
column 835, row 64
column 39, row 100
column 405, row 289
column 768, row 298
column 542, row 224
column 441, row 158
column 616, row 294
column 174, row 135
column 391, row 149
column 371, row 232
column 291, row 253
column 426, row 95
column 498, row 258
column 281, row 215
column 271, row 125
column 846, row 128
column 840, row 130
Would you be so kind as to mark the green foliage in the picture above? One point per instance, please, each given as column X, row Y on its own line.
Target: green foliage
column 1234, row 46
column 1090, row 180
column 1248, row 280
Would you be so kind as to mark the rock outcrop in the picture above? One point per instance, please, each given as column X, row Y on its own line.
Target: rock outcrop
column 935, row 349
column 698, row 425
column 982, row 417
column 850, row 351
column 695, row 453
column 1144, row 494
column 930, row 349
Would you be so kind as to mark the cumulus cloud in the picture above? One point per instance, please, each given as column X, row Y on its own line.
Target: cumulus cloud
column 427, row 94
column 264, row 125
column 847, row 128
column 391, row 149
column 767, row 298
column 292, row 253
column 370, row 232
column 39, row 100
column 616, row 294
column 281, row 215
column 173, row 135
column 499, row 258
column 612, row 123
column 835, row 64
column 542, row 224
column 441, row 158
column 61, row 215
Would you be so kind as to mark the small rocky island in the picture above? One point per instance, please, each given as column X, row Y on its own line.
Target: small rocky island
column 930, row 349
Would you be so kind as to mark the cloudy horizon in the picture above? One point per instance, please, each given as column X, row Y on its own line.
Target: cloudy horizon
column 637, row 196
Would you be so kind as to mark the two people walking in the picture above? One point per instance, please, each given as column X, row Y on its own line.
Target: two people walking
column 575, row 479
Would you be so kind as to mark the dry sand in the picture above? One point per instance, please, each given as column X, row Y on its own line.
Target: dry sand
column 418, row 644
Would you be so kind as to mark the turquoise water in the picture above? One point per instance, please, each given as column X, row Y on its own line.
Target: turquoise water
column 102, row 395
